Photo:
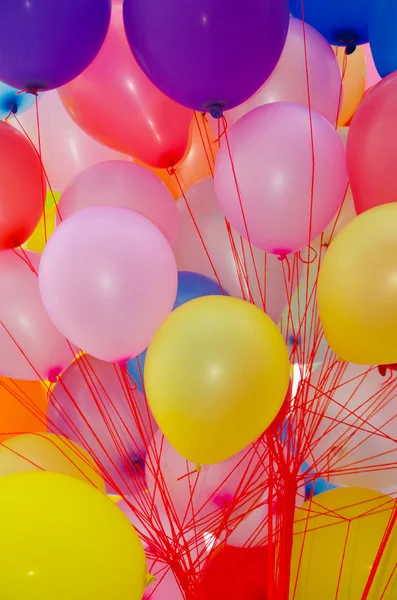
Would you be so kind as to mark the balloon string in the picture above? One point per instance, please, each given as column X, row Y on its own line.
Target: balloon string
column 204, row 145
column 242, row 211
column 43, row 185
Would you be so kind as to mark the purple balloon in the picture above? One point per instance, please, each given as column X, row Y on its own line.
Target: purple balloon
column 208, row 55
column 47, row 43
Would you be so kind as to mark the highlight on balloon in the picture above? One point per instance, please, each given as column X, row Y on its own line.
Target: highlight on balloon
column 198, row 291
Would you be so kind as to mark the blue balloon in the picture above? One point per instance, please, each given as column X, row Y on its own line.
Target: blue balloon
column 135, row 368
column 341, row 22
column 190, row 286
column 383, row 36
column 193, row 285
column 314, row 484
column 13, row 102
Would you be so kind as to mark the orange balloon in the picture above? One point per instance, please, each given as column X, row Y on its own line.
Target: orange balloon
column 23, row 406
column 354, row 71
column 198, row 162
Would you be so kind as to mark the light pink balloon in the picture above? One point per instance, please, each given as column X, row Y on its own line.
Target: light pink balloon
column 166, row 586
column 236, row 271
column 65, row 148
column 199, row 499
column 30, row 346
column 99, row 409
column 121, row 183
column 290, row 82
column 271, row 150
column 108, row 280
column 373, row 76
column 355, row 439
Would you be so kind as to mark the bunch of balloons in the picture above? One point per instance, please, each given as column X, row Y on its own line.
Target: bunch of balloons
column 198, row 265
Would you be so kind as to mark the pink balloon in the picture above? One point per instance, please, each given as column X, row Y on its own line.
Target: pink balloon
column 271, row 151
column 108, row 279
column 290, row 82
column 93, row 405
column 355, row 438
column 166, row 586
column 200, row 498
column 65, row 148
column 115, row 103
column 121, row 183
column 373, row 76
column 30, row 346
column 234, row 265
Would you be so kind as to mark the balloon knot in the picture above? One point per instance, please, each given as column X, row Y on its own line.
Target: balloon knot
column 216, row 111
column 281, row 257
column 350, row 49
column 149, row 579
column 199, row 468
column 54, row 374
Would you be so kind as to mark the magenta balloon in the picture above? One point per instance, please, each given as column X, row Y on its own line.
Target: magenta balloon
column 30, row 346
column 237, row 274
column 207, row 54
column 108, row 279
column 95, row 406
column 65, row 148
column 121, row 183
column 305, row 48
column 273, row 158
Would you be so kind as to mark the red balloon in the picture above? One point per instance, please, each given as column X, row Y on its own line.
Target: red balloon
column 115, row 103
column 372, row 148
column 22, row 188
column 236, row 574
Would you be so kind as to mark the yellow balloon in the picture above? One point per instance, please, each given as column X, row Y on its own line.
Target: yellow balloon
column 357, row 289
column 216, row 375
column 354, row 73
column 48, row 452
column 37, row 240
column 63, row 539
column 336, row 539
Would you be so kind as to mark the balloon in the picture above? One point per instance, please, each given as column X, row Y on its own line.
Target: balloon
column 50, row 43
column 231, row 356
column 48, row 452
column 121, row 183
column 356, row 293
column 201, row 499
column 372, row 74
column 165, row 587
column 65, row 148
column 21, row 188
column 273, row 160
column 132, row 116
column 42, row 233
column 208, row 56
column 290, row 82
column 231, row 257
column 30, row 346
column 58, row 533
column 190, row 286
column 354, row 442
column 337, row 536
column 382, row 34
column 13, row 100
column 353, row 76
column 235, row 573
column 23, row 407
column 198, row 163
column 371, row 148
column 108, row 279
column 135, row 368
column 341, row 23
column 95, row 407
